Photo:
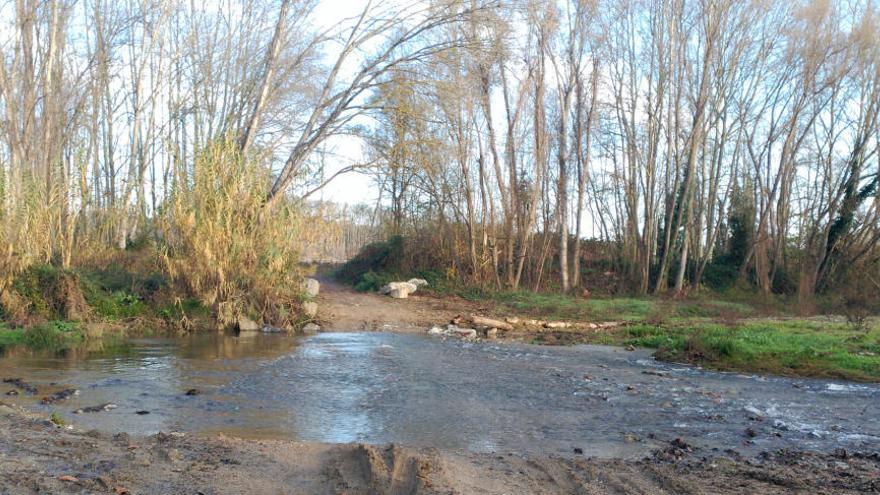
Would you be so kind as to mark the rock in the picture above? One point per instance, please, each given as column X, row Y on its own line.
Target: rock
column 311, row 328
column 578, row 450
column 491, row 333
column 751, row 433
column 655, row 373
column 402, row 290
column 60, row 396
column 780, row 425
column 630, row 438
column 21, row 385
column 435, row 330
column 99, row 408
column 193, row 392
column 464, row 333
column 311, row 287
column 142, row 412
column 310, row 309
column 755, row 414
column 399, row 293
column 513, row 320
column 272, row 329
column 666, row 405
column 680, row 443
column 246, row 324
column 630, row 348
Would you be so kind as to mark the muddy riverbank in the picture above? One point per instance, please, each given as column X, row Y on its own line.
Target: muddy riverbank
column 39, row 457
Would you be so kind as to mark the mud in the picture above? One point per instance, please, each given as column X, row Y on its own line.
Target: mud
column 38, row 457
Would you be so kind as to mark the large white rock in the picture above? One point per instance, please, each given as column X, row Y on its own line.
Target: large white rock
column 246, row 325
column 311, row 287
column 402, row 290
column 310, row 309
column 399, row 293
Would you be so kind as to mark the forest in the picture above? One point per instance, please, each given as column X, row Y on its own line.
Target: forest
column 585, row 146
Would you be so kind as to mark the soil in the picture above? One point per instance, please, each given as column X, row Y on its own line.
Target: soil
column 343, row 309
column 37, row 456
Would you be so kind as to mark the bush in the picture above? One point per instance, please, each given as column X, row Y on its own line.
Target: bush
column 379, row 257
column 45, row 292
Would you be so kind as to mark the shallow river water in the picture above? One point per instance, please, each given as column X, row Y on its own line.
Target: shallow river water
column 421, row 391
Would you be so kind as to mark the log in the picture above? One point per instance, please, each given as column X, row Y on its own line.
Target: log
column 482, row 321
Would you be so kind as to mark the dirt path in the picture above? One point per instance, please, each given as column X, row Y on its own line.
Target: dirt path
column 38, row 457
column 342, row 309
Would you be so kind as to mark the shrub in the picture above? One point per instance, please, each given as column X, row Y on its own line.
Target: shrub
column 379, row 257
column 45, row 292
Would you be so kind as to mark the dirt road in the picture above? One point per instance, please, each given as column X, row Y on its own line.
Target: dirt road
column 343, row 309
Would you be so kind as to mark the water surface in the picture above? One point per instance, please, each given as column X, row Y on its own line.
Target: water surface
column 421, row 391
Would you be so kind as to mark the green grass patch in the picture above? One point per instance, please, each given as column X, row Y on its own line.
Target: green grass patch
column 54, row 335
column 788, row 347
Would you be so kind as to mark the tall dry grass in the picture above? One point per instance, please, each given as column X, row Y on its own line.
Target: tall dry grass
column 36, row 226
column 225, row 248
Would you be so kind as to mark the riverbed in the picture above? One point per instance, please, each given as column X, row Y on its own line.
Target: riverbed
column 414, row 390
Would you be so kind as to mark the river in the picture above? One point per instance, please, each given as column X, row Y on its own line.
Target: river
column 420, row 391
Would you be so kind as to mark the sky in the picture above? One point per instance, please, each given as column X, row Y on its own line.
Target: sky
column 352, row 188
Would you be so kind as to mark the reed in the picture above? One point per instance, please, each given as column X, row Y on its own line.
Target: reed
column 223, row 246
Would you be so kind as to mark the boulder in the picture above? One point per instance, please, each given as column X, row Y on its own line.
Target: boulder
column 435, row 330
column 491, row 333
column 400, row 293
column 402, row 290
column 246, row 324
column 272, row 329
column 310, row 309
column 311, row 287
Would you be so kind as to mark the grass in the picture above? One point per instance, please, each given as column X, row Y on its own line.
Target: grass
column 55, row 335
column 795, row 347
column 710, row 330
column 629, row 309
column 57, row 419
